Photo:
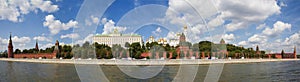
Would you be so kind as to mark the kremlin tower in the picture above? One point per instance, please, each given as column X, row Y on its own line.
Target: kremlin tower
column 56, row 47
column 182, row 38
column 222, row 41
column 36, row 46
column 295, row 54
column 257, row 51
column 10, row 48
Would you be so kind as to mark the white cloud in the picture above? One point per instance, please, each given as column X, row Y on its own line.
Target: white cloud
column 17, row 39
column 215, row 38
column 157, row 32
column 282, row 4
column 181, row 12
column 243, row 43
column 158, row 29
column 229, row 37
column 287, row 44
column 42, row 38
column 95, row 19
column 293, row 39
column 55, row 26
column 109, row 26
column 18, row 42
column 3, row 41
column 92, row 20
column 88, row 38
column 3, row 44
column 240, row 14
column 171, row 35
column 48, row 45
column 257, row 39
column 72, row 36
column 261, row 26
column 243, row 13
column 13, row 10
column 277, row 29
column 216, row 22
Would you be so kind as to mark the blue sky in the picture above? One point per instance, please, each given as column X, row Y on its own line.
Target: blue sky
column 274, row 25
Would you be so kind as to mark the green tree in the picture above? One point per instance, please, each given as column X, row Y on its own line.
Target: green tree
column 127, row 45
column 18, row 51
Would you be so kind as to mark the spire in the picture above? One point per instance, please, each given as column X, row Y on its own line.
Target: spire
column 57, row 43
column 257, row 48
column 295, row 53
column 295, row 49
column 10, row 41
column 282, row 52
column 56, row 47
column 10, row 47
column 36, row 45
column 9, row 35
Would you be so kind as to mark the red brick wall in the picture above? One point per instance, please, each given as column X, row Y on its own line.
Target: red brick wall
column 278, row 56
column 38, row 55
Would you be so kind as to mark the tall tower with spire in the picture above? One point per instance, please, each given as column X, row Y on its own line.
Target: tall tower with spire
column 295, row 53
column 182, row 37
column 37, row 46
column 56, row 47
column 10, row 48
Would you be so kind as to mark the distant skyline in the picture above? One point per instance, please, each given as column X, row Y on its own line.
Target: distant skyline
column 271, row 24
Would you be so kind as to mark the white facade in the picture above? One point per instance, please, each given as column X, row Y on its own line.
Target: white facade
column 117, row 38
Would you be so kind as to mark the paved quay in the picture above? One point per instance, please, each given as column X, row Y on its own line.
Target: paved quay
column 144, row 62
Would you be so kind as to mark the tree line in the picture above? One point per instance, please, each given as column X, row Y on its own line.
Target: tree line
column 102, row 51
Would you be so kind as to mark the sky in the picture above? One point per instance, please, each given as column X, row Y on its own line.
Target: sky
column 271, row 24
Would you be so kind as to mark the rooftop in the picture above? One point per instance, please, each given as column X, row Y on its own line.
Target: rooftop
column 108, row 35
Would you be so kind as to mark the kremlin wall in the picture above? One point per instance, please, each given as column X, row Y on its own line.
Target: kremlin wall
column 219, row 51
column 33, row 55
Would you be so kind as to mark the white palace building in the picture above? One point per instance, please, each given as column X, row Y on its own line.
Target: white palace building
column 117, row 38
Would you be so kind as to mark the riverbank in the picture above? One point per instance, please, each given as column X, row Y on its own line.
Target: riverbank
column 144, row 62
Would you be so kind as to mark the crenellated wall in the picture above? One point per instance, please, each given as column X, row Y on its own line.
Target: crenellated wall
column 36, row 55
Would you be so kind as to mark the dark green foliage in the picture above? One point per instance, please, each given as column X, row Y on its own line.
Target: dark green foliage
column 135, row 50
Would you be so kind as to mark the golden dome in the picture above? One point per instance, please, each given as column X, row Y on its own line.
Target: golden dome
column 184, row 27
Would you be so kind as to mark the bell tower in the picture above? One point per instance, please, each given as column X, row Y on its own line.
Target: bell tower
column 10, row 48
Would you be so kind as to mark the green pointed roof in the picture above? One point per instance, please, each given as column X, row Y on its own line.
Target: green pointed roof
column 222, row 41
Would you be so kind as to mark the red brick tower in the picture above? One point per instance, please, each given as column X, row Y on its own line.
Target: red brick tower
column 56, row 48
column 257, row 51
column 10, row 48
column 295, row 54
column 182, row 38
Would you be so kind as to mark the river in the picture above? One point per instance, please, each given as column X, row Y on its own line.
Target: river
column 250, row 72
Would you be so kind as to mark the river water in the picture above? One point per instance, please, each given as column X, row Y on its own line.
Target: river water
column 249, row 72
